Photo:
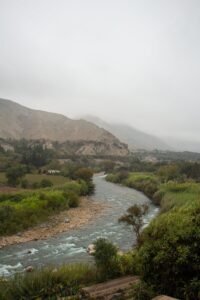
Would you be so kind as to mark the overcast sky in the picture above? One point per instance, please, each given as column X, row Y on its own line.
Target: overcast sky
column 135, row 61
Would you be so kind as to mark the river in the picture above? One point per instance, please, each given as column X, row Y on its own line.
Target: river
column 71, row 246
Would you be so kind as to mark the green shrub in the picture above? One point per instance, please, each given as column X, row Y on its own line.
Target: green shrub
column 127, row 263
column 106, row 259
column 45, row 183
column 72, row 198
column 142, row 291
column 169, row 255
column 84, row 174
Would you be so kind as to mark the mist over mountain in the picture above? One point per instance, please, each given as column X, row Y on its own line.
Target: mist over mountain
column 17, row 122
column 135, row 138
column 180, row 144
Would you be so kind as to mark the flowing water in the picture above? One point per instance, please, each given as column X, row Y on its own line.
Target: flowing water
column 72, row 245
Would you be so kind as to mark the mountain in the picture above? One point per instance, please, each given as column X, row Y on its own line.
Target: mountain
column 180, row 144
column 17, row 122
column 135, row 138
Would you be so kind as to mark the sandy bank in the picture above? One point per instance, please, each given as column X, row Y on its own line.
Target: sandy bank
column 64, row 221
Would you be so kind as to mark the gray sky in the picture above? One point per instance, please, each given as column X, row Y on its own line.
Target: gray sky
column 129, row 61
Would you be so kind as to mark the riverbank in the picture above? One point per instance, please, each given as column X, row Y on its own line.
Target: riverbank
column 64, row 221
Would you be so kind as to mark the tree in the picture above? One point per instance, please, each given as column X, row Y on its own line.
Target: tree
column 134, row 217
column 36, row 155
column 84, row 174
column 15, row 174
column 169, row 172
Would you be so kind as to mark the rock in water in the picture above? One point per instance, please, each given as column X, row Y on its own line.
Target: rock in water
column 91, row 249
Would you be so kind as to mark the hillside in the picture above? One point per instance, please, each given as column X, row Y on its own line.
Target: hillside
column 135, row 138
column 17, row 122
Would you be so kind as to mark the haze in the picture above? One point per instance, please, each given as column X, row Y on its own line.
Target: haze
column 125, row 61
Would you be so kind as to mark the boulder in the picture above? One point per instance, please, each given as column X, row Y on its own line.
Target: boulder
column 91, row 249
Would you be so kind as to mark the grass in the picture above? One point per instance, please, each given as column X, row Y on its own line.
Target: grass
column 168, row 195
column 138, row 176
column 2, row 178
column 48, row 283
column 55, row 179
column 179, row 194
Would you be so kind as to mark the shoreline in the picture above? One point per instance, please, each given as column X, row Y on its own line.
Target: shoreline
column 64, row 221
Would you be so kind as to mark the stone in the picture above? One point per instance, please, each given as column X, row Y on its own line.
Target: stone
column 29, row 269
column 91, row 249
column 67, row 220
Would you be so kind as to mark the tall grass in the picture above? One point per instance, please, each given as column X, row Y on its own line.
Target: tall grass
column 48, row 283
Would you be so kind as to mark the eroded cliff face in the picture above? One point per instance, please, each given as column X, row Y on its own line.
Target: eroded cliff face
column 114, row 149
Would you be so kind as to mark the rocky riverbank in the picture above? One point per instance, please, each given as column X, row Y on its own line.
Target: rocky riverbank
column 67, row 220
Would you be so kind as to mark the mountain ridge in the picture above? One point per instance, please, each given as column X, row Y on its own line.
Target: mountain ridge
column 136, row 139
column 18, row 121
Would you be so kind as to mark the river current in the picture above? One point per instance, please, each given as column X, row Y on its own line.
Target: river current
column 71, row 246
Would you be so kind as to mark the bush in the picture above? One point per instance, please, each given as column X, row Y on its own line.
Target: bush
column 169, row 255
column 142, row 291
column 15, row 174
column 45, row 183
column 84, row 174
column 106, row 259
column 72, row 198
column 24, row 183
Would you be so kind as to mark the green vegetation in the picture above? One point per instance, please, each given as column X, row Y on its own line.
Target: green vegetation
column 2, row 178
column 145, row 182
column 169, row 254
column 134, row 217
column 67, row 280
column 33, row 179
column 110, row 263
column 48, row 283
column 21, row 210
column 15, row 174
column 167, row 257
column 106, row 258
column 55, row 179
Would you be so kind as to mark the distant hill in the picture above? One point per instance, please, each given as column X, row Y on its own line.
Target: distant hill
column 17, row 122
column 135, row 138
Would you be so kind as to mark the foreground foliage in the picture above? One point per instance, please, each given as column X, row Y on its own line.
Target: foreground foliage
column 168, row 257
column 170, row 253
column 67, row 280
column 48, row 283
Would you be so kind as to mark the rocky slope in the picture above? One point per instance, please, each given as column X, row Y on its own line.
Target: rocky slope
column 17, row 122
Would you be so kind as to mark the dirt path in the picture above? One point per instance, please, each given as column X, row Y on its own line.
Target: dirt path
column 64, row 221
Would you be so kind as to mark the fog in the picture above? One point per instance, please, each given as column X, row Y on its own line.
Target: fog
column 126, row 61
